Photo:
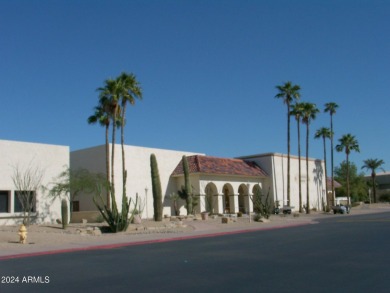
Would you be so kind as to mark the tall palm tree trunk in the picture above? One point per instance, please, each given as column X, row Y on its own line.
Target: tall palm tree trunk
column 299, row 166
column 108, row 166
column 348, row 197
column 373, row 185
column 326, row 173
column 288, row 154
column 124, row 172
column 331, row 160
column 307, row 170
column 112, row 186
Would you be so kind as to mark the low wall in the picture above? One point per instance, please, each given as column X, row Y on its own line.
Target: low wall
column 90, row 216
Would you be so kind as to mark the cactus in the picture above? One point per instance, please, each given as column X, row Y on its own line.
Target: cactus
column 64, row 213
column 186, row 191
column 156, row 186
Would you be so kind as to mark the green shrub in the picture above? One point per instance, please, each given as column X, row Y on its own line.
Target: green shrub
column 385, row 197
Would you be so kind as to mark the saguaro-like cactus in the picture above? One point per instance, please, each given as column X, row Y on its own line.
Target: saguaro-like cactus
column 187, row 192
column 64, row 213
column 156, row 186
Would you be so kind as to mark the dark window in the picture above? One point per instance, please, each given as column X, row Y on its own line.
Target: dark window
column 76, row 206
column 4, row 201
column 27, row 197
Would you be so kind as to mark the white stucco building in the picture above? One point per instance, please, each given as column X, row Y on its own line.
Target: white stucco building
column 275, row 165
column 224, row 185
column 50, row 159
column 138, row 173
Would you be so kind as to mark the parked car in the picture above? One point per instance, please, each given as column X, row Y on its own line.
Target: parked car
column 341, row 209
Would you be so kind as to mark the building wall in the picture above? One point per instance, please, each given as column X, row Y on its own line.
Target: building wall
column 138, row 173
column 51, row 159
column 276, row 167
column 139, row 179
column 92, row 159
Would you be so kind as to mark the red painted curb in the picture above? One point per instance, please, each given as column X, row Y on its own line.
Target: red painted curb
column 118, row 245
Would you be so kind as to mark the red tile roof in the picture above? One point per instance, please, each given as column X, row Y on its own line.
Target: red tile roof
column 329, row 183
column 220, row 166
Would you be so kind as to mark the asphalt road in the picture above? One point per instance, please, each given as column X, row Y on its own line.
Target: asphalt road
column 344, row 253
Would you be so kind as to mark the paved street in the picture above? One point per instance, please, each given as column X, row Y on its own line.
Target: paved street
column 345, row 253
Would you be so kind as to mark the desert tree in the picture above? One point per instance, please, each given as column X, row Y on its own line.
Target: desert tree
column 27, row 182
column 70, row 183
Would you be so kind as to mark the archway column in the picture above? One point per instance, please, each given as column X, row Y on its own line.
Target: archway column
column 249, row 204
column 234, row 206
column 202, row 203
column 220, row 207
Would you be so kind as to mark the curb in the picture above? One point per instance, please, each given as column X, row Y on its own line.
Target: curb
column 145, row 242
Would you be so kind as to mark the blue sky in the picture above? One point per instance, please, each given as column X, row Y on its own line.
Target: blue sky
column 208, row 71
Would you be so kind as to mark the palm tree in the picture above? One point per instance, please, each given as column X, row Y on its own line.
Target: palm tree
column 324, row 133
column 309, row 113
column 109, row 99
column 331, row 108
column 297, row 112
column 348, row 143
column 288, row 93
column 373, row 164
column 130, row 90
column 103, row 118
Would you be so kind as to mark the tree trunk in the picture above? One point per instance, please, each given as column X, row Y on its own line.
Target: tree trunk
column 123, row 149
column 331, row 158
column 307, row 170
column 288, row 153
column 108, row 167
column 348, row 197
column 299, row 166
column 112, row 185
column 373, row 186
column 326, row 174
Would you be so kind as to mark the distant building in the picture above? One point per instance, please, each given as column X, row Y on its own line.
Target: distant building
column 383, row 185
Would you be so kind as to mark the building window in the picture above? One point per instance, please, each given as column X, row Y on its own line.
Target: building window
column 76, row 206
column 4, row 202
column 27, row 197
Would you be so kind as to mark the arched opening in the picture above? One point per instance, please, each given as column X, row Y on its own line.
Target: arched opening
column 211, row 198
column 256, row 189
column 227, row 202
column 243, row 206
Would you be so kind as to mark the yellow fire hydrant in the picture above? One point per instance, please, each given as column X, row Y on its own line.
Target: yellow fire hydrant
column 23, row 234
